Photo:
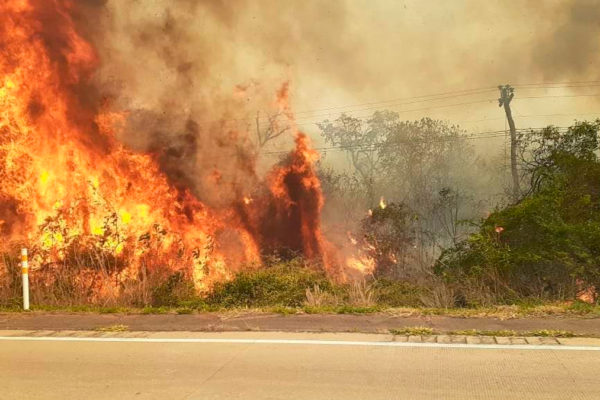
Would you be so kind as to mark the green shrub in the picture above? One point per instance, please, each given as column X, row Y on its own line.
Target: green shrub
column 542, row 245
column 282, row 284
column 393, row 293
column 414, row 330
column 173, row 291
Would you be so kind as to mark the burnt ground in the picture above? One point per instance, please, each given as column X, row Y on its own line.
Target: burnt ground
column 254, row 321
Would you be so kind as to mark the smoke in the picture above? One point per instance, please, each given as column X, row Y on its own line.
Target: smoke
column 187, row 57
column 193, row 74
column 572, row 48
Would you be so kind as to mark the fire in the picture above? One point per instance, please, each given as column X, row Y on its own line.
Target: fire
column 352, row 239
column 363, row 265
column 360, row 261
column 382, row 203
column 68, row 182
column 297, row 202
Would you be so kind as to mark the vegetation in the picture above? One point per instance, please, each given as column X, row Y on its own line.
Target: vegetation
column 423, row 331
column 428, row 171
column 113, row 328
column 547, row 246
column 412, row 331
column 282, row 284
column 536, row 256
column 295, row 287
column 542, row 248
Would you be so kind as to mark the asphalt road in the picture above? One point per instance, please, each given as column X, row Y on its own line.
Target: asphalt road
column 62, row 370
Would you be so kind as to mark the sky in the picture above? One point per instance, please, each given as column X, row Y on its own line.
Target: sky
column 358, row 56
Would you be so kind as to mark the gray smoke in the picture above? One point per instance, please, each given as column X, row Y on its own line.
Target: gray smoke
column 193, row 73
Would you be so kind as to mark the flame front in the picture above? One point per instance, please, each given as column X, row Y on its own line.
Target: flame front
column 67, row 181
column 382, row 203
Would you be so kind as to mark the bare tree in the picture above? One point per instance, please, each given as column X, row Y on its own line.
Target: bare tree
column 273, row 127
column 360, row 140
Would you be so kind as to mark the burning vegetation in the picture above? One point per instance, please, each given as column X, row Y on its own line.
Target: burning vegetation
column 124, row 197
column 77, row 196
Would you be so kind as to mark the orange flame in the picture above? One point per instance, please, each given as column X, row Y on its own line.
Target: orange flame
column 382, row 204
column 363, row 265
column 65, row 176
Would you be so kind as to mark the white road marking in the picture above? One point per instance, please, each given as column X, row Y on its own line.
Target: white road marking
column 301, row 342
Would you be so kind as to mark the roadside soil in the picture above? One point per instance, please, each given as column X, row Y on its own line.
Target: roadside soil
column 255, row 321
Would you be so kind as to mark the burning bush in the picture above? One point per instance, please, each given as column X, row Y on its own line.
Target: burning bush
column 98, row 215
column 388, row 236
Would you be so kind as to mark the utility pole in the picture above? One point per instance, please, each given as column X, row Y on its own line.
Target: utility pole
column 507, row 93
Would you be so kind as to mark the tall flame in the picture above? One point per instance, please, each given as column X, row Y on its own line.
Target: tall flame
column 66, row 179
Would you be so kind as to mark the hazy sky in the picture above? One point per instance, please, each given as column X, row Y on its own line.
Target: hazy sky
column 189, row 55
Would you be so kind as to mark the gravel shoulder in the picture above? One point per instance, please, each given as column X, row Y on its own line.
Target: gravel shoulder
column 256, row 321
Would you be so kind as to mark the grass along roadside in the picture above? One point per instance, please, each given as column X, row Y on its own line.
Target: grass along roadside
column 113, row 328
column 294, row 287
column 425, row 331
column 581, row 310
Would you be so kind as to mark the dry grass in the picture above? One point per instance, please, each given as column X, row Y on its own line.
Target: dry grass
column 93, row 280
column 362, row 294
column 113, row 328
column 88, row 276
column 439, row 296
column 316, row 297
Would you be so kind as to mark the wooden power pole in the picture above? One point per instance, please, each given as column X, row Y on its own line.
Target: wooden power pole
column 506, row 95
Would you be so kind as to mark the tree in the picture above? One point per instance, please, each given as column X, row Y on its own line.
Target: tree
column 360, row 140
column 448, row 209
column 389, row 235
column 546, row 152
column 418, row 156
column 550, row 240
column 423, row 161
column 271, row 129
column 424, row 164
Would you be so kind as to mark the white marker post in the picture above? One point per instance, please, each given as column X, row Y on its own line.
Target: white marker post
column 25, row 274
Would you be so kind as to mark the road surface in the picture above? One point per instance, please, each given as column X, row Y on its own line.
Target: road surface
column 309, row 366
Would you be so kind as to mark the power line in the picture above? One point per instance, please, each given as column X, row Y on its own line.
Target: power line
column 558, row 115
column 395, row 102
column 308, row 120
column 471, row 136
column 459, row 93
column 430, row 97
column 392, row 106
column 592, row 113
column 557, row 83
column 562, row 95
column 404, row 111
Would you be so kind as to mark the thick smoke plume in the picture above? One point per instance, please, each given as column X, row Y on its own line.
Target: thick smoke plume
column 195, row 68
column 571, row 48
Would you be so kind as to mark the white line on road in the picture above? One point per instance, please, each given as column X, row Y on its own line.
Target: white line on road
column 300, row 342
